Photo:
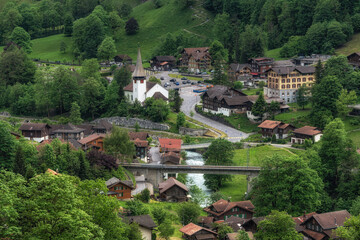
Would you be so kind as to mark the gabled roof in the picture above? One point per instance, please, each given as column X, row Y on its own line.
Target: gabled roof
column 197, row 53
column 220, row 92
column 159, row 95
column 283, row 70
column 113, row 181
column 33, row 126
column 52, row 172
column 67, row 128
column 149, row 85
column 170, row 144
column 269, row 124
column 124, row 57
column 164, row 186
column 192, row 228
column 307, row 130
column 91, row 138
column 165, row 58
column 143, row 220
column 141, row 143
column 235, row 222
column 171, row 157
column 223, row 206
column 236, row 67
column 138, row 135
column 299, row 220
column 330, row 220
column 103, row 125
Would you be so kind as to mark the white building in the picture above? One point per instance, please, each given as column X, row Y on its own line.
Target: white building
column 140, row 88
column 307, row 132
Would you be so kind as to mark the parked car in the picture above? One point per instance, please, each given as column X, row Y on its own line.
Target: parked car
column 166, row 84
column 183, row 82
column 161, row 78
column 193, row 83
column 199, row 82
column 204, row 73
column 183, row 78
column 177, row 83
column 188, row 81
column 173, row 80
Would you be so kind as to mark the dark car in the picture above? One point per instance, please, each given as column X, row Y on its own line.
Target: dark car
column 161, row 78
column 173, row 80
column 199, row 82
column 177, row 83
column 193, row 83
column 183, row 82
column 188, row 81
column 183, row 78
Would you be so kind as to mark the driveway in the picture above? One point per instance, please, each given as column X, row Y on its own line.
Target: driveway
column 155, row 155
column 190, row 100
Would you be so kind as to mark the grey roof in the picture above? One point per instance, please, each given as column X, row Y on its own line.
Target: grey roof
column 34, row 126
column 143, row 220
column 68, row 128
column 165, row 58
column 75, row 143
column 238, row 67
column 139, row 69
column 283, row 63
column 112, row 181
column 287, row 70
column 103, row 124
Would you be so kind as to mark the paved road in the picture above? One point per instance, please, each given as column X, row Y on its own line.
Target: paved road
column 155, row 155
column 190, row 99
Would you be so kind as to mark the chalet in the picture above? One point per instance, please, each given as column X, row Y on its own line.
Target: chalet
column 142, row 184
column 102, row 127
column 141, row 144
column 121, row 189
column 195, row 232
column 225, row 100
column 140, row 89
column 260, row 66
column 165, row 63
column 322, row 226
column 196, row 59
column 173, row 191
column 283, row 82
column 171, row 158
column 35, row 131
column 206, row 222
column 354, row 60
column 252, row 224
column 67, row 132
column 146, row 225
column 279, row 129
column 306, row 132
column 170, row 145
column 299, row 220
column 235, row 223
column 239, row 72
column 94, row 141
column 123, row 58
column 223, row 209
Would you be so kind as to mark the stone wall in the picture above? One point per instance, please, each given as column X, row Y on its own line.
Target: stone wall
column 130, row 122
column 192, row 131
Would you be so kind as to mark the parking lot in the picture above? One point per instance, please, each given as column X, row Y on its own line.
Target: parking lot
column 173, row 83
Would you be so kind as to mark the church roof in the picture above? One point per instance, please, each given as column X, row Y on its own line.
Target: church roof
column 139, row 69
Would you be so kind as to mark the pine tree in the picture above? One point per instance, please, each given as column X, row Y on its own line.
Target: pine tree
column 84, row 166
column 259, row 108
column 318, row 72
column 75, row 115
column 19, row 162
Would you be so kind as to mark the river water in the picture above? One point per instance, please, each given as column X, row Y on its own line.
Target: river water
column 194, row 158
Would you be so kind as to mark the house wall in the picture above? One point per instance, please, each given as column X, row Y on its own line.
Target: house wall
column 174, row 193
column 124, row 192
column 224, row 111
column 145, row 233
column 139, row 90
column 129, row 96
column 99, row 142
column 37, row 139
column 157, row 88
column 317, row 137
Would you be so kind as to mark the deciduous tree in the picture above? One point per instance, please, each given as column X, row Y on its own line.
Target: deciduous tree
column 119, row 145
column 188, row 212
column 21, row 38
column 7, row 147
column 107, row 49
column 75, row 115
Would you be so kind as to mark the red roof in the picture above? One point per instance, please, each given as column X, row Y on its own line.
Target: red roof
column 170, row 144
column 192, row 228
column 269, row 124
column 164, row 186
column 223, row 206
column 307, row 130
column 91, row 138
column 141, row 143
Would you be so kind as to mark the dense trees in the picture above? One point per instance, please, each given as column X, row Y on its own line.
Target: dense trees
column 118, row 144
column 131, row 26
column 7, row 148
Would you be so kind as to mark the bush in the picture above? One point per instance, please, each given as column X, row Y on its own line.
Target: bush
column 238, row 145
column 281, row 141
column 355, row 121
column 144, row 196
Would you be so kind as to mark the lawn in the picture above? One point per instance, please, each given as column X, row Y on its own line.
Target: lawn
column 171, row 121
column 355, row 137
column 236, row 188
column 190, row 78
column 258, row 154
column 298, row 118
column 251, row 91
column 274, row 53
column 242, row 123
column 350, row 47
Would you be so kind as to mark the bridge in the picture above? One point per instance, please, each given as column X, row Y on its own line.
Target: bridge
column 154, row 173
column 195, row 146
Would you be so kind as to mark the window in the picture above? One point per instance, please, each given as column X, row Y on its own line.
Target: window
column 277, row 80
column 294, row 85
column 294, row 80
column 282, row 86
column 288, row 93
column 299, row 79
column 283, row 81
column 299, row 85
column 288, row 80
column 304, row 79
column 288, row 86
column 310, row 79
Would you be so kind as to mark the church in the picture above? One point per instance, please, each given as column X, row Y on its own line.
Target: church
column 140, row 88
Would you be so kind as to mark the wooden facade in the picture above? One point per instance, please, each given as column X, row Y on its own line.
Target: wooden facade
column 35, row 131
column 237, row 72
column 354, row 60
column 261, row 65
column 223, row 209
column 174, row 194
column 202, row 234
column 95, row 141
column 196, row 59
column 120, row 191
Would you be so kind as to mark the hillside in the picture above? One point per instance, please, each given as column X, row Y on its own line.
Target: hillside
column 350, row 47
column 153, row 24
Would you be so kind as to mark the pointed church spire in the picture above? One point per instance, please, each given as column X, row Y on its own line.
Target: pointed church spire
column 139, row 72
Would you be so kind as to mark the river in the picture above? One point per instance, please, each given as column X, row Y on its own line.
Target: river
column 194, row 158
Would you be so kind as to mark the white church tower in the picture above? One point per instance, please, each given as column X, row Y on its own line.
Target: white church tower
column 139, row 80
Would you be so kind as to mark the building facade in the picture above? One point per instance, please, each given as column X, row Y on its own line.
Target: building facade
column 283, row 82
column 223, row 209
column 120, row 189
column 35, row 131
column 196, row 59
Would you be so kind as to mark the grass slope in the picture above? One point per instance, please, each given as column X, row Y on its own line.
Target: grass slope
column 350, row 47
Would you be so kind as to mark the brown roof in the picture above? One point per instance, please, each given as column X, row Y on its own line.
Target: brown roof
column 235, row 222
column 287, row 70
column 88, row 128
column 331, row 220
column 207, row 221
column 223, row 206
column 139, row 135
column 159, row 95
column 307, row 130
column 170, row 144
column 143, row 220
column 313, row 234
column 165, row 58
column 67, row 128
column 113, row 181
column 103, row 125
column 52, row 172
column 149, row 85
column 269, row 124
column 301, row 219
column 192, row 228
column 236, row 67
column 171, row 157
column 141, row 143
column 164, row 186
column 33, row 126
column 91, row 138
column 124, row 57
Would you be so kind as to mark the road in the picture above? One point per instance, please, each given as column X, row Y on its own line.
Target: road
column 190, row 100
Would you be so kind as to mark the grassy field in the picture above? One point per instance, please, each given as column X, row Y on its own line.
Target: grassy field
column 350, row 47
column 274, row 53
column 251, row 91
column 190, row 78
column 355, row 137
column 236, row 188
column 242, row 123
column 297, row 118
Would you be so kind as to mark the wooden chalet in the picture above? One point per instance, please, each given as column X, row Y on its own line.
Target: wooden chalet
column 146, row 225
column 196, row 59
column 252, row 224
column 173, row 191
column 239, row 72
column 195, row 232
column 223, row 209
column 279, row 129
column 307, row 132
column 94, row 141
column 260, row 66
column 354, row 60
column 165, row 63
column 67, row 132
column 102, row 127
column 123, row 58
column 322, row 226
column 141, row 144
column 225, row 100
column 121, row 189
column 171, row 158
column 35, row 131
